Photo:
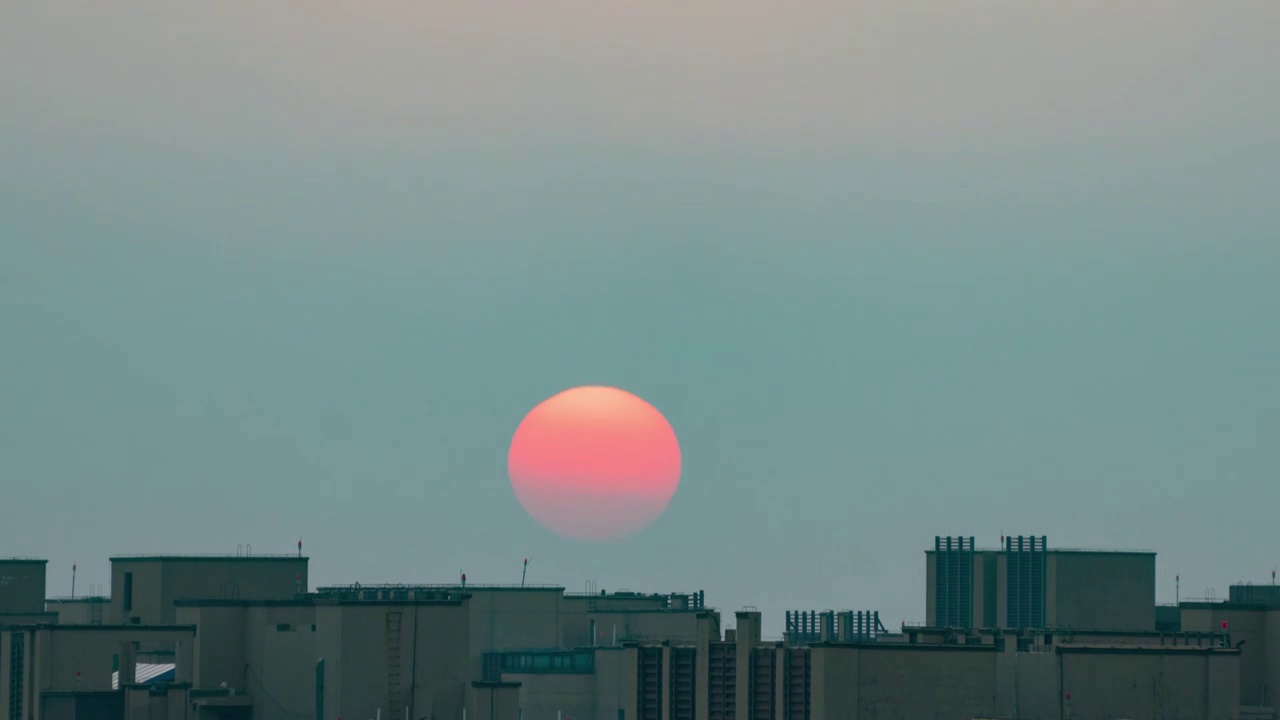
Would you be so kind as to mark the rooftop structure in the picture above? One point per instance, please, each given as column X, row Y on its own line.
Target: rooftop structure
column 1028, row 584
column 145, row 587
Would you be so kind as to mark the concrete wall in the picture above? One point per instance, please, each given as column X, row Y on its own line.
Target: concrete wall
column 930, row 589
column 596, row 696
column 79, row 659
column 434, row 642
column 219, row 653
column 494, row 701
column 82, row 706
column 984, row 589
column 159, row 581
column 150, row 703
column 677, row 626
column 542, row 696
column 873, row 682
column 879, row 682
column 280, row 651
column 22, row 586
column 81, row 611
column 1247, row 624
column 144, row 600
column 35, row 618
column 1163, row 686
column 634, row 615
column 580, row 604
column 513, row 618
column 1100, row 590
column 1271, row 673
column 268, row 650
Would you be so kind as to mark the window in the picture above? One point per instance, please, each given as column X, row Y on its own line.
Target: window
column 284, row 627
column 545, row 662
column 128, row 591
column 17, row 664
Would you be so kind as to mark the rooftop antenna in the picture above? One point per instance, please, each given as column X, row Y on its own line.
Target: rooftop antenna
column 1177, row 589
column 525, row 571
column 464, row 578
column 299, row 546
column 73, row 580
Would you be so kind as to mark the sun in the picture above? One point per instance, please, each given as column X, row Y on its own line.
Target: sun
column 594, row 463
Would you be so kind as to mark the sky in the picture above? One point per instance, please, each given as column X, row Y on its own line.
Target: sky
column 891, row 268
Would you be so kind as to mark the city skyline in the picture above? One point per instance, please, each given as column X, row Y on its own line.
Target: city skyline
column 889, row 270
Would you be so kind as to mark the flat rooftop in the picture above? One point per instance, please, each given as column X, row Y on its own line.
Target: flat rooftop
column 1062, row 551
column 439, row 586
column 207, row 558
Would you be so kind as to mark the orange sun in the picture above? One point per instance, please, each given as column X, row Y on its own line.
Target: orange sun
column 594, row 463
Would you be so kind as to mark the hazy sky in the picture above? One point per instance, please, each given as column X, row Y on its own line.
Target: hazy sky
column 891, row 268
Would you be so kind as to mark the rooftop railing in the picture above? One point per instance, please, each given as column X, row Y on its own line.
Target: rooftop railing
column 208, row 556
column 435, row 586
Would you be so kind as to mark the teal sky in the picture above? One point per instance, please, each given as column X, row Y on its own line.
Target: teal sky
column 891, row 270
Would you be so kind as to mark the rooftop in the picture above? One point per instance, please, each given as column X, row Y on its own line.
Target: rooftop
column 1065, row 550
column 315, row 600
column 212, row 558
column 358, row 587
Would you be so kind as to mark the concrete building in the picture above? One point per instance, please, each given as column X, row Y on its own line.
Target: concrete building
column 145, row 587
column 1251, row 617
column 22, row 584
column 1027, row 584
column 79, row 611
column 51, row 672
column 1024, row 631
column 351, row 658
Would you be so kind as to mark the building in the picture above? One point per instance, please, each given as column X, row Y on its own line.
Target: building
column 22, row 590
column 1024, row 631
column 1026, row 584
column 144, row 588
column 1251, row 616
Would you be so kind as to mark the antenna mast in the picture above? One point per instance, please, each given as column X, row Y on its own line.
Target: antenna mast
column 524, row 572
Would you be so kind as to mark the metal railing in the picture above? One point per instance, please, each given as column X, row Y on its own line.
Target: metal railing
column 434, row 586
column 209, row 556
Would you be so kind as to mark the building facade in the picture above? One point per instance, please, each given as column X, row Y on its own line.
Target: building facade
column 1023, row 631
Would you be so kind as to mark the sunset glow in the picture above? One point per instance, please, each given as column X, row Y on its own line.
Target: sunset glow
column 594, row 463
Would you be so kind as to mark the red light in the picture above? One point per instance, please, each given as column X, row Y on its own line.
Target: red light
column 1068, row 696
column 1224, row 624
